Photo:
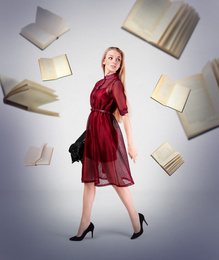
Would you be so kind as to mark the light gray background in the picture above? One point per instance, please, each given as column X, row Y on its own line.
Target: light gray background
column 40, row 207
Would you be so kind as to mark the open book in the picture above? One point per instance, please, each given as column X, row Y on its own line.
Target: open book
column 201, row 112
column 27, row 95
column 38, row 155
column 46, row 29
column 167, row 25
column 167, row 158
column 54, row 68
column 170, row 94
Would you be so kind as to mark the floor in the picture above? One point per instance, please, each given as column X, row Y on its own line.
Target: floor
column 37, row 225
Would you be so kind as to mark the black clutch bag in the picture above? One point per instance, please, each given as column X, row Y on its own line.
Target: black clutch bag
column 77, row 149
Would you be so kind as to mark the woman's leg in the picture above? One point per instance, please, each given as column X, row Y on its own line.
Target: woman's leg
column 125, row 196
column 88, row 199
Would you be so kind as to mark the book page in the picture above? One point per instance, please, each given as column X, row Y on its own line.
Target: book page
column 199, row 114
column 41, row 88
column 7, row 84
column 166, row 21
column 62, row 66
column 212, row 85
column 47, row 69
column 163, row 90
column 145, row 16
column 178, row 97
column 37, row 35
column 31, row 98
column 42, row 111
column 174, row 27
column 171, row 169
column 51, row 22
column 184, row 34
column 173, row 161
column 46, row 156
column 27, row 84
column 164, row 154
column 32, row 155
column 215, row 67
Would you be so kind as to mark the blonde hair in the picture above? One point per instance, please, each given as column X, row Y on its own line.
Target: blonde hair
column 121, row 75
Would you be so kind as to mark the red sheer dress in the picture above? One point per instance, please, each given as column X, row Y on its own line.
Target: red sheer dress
column 105, row 159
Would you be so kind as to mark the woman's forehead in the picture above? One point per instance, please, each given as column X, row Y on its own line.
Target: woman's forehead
column 113, row 53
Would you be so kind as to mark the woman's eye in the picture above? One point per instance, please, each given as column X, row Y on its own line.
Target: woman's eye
column 110, row 58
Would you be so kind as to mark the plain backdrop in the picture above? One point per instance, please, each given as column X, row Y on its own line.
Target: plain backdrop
column 40, row 207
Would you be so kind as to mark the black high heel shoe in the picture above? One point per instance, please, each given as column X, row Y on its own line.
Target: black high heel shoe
column 89, row 229
column 141, row 219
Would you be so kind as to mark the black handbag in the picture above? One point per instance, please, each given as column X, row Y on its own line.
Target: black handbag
column 77, row 149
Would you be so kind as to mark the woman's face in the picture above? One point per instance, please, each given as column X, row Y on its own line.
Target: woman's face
column 112, row 62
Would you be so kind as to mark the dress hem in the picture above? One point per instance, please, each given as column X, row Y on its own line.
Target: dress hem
column 108, row 184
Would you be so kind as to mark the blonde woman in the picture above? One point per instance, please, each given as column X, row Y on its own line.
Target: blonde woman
column 105, row 160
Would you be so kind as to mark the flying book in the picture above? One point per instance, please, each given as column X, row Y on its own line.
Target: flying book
column 46, row 29
column 168, row 158
column 167, row 25
column 201, row 112
column 38, row 155
column 54, row 68
column 170, row 94
column 27, row 95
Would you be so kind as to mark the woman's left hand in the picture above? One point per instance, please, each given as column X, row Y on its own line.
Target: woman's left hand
column 132, row 152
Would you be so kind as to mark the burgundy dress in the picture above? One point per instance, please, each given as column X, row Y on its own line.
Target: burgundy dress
column 105, row 159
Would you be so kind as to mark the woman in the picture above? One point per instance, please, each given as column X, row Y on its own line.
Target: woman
column 105, row 160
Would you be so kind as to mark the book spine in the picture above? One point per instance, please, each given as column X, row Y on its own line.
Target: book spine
column 8, row 102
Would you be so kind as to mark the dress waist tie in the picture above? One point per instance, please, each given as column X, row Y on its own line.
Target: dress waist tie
column 100, row 110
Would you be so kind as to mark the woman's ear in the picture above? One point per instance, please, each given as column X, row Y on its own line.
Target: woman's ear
column 104, row 61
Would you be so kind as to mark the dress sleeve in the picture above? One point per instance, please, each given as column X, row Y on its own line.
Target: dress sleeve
column 119, row 97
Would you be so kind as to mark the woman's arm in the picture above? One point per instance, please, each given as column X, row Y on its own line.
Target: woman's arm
column 128, row 130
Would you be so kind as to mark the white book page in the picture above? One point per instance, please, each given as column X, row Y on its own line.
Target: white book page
column 165, row 21
column 177, row 28
column 46, row 156
column 145, row 16
column 31, row 97
column 212, row 85
column 47, row 69
column 178, row 97
column 199, row 114
column 7, row 84
column 170, row 158
column 163, row 90
column 62, row 66
column 183, row 35
column 37, row 35
column 172, row 162
column 51, row 22
column 32, row 155
column 174, row 28
column 40, row 87
column 174, row 167
column 164, row 153
column 215, row 68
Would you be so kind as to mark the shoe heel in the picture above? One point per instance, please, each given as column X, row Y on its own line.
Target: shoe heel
column 92, row 231
column 145, row 222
